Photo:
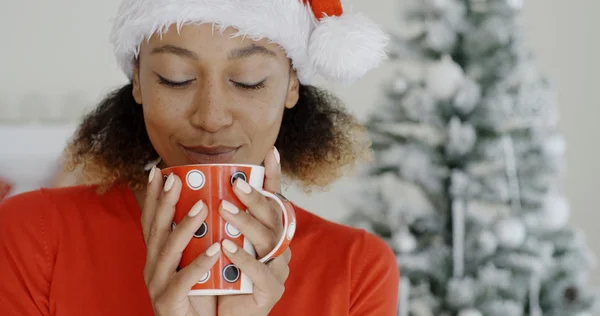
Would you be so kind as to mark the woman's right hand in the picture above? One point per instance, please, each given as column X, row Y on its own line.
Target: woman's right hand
column 169, row 288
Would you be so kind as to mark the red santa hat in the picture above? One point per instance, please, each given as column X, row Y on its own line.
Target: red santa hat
column 319, row 36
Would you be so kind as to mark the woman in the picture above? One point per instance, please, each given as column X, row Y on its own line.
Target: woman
column 210, row 81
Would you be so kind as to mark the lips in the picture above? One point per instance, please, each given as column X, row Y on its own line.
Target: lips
column 217, row 154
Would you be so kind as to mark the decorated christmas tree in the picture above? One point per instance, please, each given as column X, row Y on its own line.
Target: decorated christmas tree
column 466, row 180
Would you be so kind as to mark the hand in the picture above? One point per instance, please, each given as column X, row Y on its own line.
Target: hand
column 168, row 288
column 263, row 227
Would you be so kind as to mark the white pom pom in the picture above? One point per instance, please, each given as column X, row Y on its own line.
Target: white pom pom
column 344, row 48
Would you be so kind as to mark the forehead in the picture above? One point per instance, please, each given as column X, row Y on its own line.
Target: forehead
column 206, row 39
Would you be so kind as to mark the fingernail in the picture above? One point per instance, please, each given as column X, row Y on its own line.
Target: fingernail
column 230, row 207
column 230, row 246
column 195, row 210
column 276, row 153
column 213, row 250
column 169, row 183
column 243, row 185
column 151, row 175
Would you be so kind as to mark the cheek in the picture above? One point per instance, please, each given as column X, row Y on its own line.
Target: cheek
column 163, row 113
column 261, row 116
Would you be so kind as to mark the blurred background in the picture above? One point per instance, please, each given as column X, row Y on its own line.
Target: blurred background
column 57, row 63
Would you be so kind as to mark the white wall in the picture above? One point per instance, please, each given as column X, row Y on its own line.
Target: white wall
column 51, row 50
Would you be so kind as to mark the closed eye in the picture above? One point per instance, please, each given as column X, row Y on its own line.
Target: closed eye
column 173, row 84
column 256, row 86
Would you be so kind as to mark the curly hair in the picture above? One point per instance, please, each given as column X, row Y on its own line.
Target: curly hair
column 318, row 138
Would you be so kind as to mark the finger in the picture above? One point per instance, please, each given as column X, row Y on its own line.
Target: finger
column 261, row 237
column 185, row 279
column 155, row 184
column 273, row 171
column 259, row 206
column 268, row 288
column 163, row 219
column 280, row 268
column 170, row 254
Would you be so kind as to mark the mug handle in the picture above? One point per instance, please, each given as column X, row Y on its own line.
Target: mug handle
column 289, row 225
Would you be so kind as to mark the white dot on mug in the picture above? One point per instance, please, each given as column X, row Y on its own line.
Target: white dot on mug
column 204, row 278
column 195, row 179
column 231, row 230
column 291, row 230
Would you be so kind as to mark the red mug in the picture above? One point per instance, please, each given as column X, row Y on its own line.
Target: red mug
column 213, row 183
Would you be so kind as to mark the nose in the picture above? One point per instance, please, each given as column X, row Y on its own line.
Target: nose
column 212, row 111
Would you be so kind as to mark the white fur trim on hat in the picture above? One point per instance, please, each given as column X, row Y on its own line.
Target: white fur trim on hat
column 341, row 49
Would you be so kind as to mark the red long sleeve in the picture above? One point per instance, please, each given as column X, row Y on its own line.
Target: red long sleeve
column 26, row 255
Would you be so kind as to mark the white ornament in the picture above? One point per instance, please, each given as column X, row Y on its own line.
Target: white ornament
column 515, row 4
column 554, row 146
column 510, row 232
column 556, row 212
column 467, row 96
column 438, row 4
column 469, row 312
column 405, row 242
column 400, row 85
column 443, row 78
column 420, row 308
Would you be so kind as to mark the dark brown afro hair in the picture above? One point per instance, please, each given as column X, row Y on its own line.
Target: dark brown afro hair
column 318, row 139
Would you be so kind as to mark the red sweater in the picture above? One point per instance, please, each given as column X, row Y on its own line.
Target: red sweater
column 71, row 252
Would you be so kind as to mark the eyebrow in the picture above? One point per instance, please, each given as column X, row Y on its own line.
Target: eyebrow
column 251, row 51
column 182, row 52
column 236, row 54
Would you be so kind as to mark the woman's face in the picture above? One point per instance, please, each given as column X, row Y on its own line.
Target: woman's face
column 210, row 98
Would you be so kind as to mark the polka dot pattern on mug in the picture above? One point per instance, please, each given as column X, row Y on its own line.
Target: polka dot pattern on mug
column 201, row 232
column 195, row 179
column 231, row 273
column 291, row 230
column 204, row 278
column 232, row 231
column 236, row 175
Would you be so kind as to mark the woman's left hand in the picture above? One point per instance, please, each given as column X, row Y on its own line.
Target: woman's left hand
column 263, row 227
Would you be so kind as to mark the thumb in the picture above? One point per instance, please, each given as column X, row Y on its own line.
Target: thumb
column 273, row 171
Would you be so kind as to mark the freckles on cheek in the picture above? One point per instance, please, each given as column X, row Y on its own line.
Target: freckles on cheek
column 162, row 118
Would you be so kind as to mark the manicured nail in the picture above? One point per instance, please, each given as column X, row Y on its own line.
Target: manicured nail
column 243, row 185
column 213, row 250
column 230, row 207
column 151, row 175
column 195, row 210
column 169, row 183
column 230, row 246
column 276, row 153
